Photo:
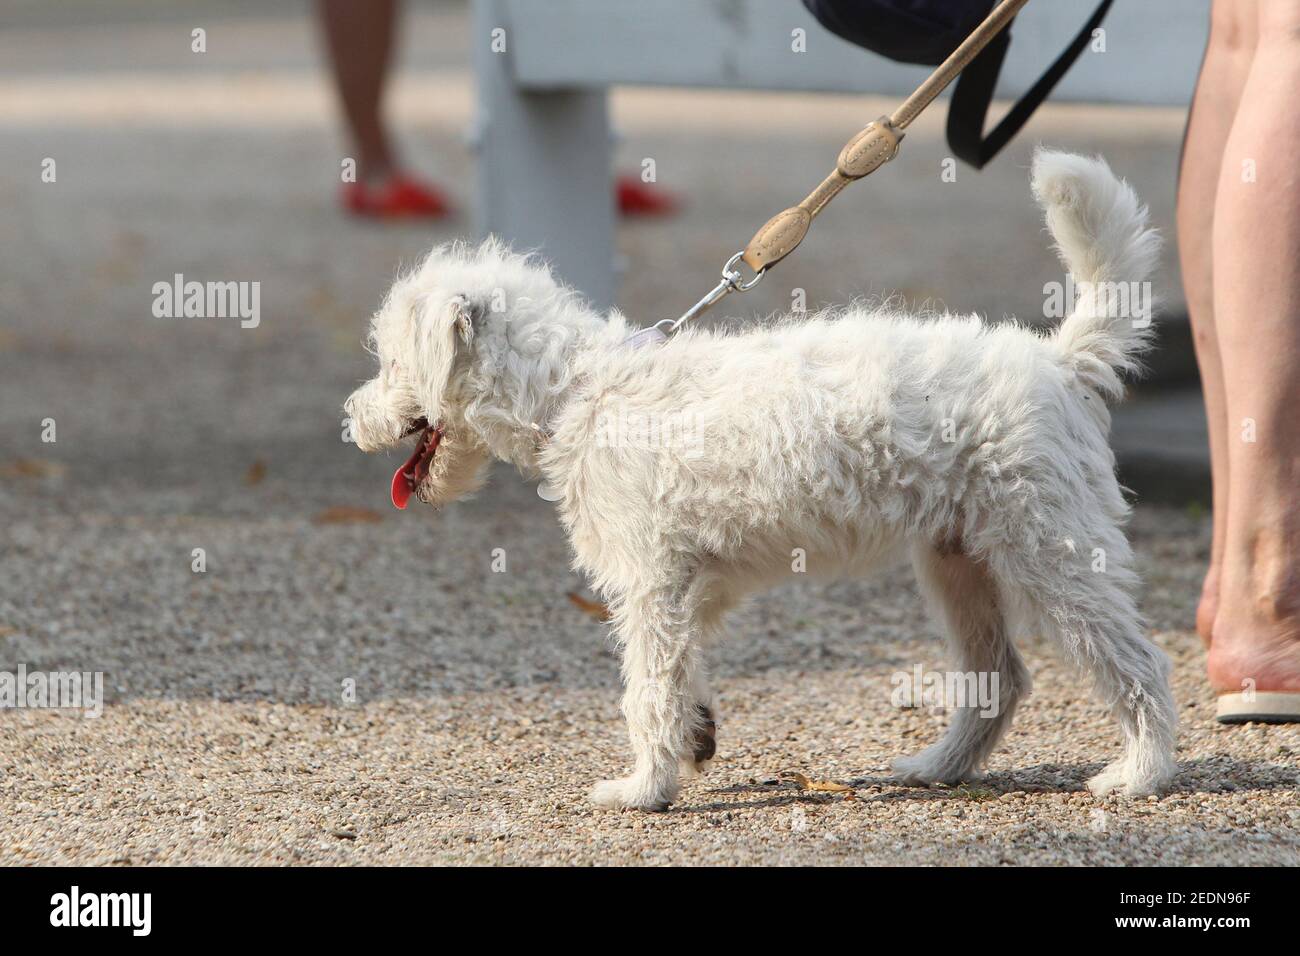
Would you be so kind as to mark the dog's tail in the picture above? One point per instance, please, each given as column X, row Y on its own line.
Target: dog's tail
column 1101, row 234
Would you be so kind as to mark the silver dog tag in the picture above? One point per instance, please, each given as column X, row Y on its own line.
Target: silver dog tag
column 548, row 492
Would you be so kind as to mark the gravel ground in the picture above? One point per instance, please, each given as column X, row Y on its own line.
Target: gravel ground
column 484, row 703
column 487, row 704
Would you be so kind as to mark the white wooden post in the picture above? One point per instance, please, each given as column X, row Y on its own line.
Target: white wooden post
column 544, row 179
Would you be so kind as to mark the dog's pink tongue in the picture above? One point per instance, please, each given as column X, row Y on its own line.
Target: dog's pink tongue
column 404, row 477
column 407, row 478
column 401, row 490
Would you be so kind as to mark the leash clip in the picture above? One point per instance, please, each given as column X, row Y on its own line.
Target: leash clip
column 732, row 281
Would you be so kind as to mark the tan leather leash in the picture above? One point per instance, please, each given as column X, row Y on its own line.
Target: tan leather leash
column 866, row 152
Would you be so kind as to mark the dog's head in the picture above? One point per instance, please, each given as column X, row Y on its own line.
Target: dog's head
column 457, row 342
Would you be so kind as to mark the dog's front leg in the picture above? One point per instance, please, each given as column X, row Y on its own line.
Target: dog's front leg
column 660, row 657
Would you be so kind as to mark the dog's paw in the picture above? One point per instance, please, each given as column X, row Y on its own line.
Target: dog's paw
column 691, row 768
column 1109, row 780
column 628, row 793
column 1120, row 777
column 929, row 767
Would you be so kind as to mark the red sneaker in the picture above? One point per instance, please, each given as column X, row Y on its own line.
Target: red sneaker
column 397, row 197
column 635, row 198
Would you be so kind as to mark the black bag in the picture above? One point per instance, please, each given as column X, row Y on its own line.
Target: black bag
column 926, row 32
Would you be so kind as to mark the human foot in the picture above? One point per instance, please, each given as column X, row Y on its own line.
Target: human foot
column 1254, row 655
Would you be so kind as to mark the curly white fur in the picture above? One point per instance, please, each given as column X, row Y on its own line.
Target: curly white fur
column 980, row 451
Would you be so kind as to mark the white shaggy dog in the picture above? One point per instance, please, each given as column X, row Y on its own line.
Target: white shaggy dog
column 980, row 451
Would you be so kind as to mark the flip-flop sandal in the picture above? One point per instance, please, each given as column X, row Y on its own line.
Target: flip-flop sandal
column 401, row 197
column 397, row 197
column 635, row 198
column 1261, row 707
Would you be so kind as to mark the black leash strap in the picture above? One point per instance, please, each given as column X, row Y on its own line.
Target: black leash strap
column 974, row 93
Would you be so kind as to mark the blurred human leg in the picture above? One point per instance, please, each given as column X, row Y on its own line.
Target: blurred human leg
column 359, row 36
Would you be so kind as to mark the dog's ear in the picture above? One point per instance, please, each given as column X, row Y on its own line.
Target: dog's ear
column 443, row 328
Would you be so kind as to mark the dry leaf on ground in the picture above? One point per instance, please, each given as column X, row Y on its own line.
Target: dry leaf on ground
column 32, row 468
column 347, row 514
column 597, row 610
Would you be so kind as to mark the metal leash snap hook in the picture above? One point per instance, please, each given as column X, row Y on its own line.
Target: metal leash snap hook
column 732, row 274
column 731, row 281
column 868, row 150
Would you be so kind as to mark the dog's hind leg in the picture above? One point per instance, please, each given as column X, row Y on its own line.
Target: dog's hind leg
column 1085, row 601
column 964, row 597
column 660, row 632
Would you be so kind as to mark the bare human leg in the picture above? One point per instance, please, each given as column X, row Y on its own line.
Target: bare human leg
column 1256, row 248
column 359, row 36
column 1218, row 92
